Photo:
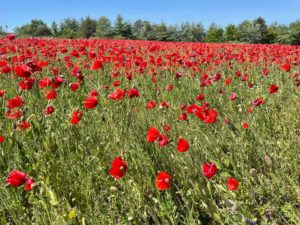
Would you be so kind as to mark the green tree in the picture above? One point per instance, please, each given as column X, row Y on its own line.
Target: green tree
column 214, row 34
column 69, row 28
column 262, row 27
column 104, row 28
column 137, row 30
column 191, row 32
column 36, row 28
column 119, row 27
column 54, row 28
column 249, row 32
column 295, row 32
column 231, row 33
column 87, row 27
column 148, row 31
column 161, row 32
column 127, row 31
column 173, row 33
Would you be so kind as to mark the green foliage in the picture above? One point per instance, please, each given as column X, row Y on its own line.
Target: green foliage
column 231, row 33
column 69, row 28
column 54, row 28
column 87, row 27
column 191, row 32
column 36, row 28
column 104, row 28
column 254, row 32
column 214, row 34
column 295, row 33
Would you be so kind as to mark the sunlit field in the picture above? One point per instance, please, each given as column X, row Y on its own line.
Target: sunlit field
column 140, row 132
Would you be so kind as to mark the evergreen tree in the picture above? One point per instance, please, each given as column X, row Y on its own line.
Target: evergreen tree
column 161, row 32
column 69, row 28
column 262, row 27
column 119, row 26
column 231, row 33
column 249, row 32
column 104, row 28
column 54, row 28
column 137, row 30
column 87, row 27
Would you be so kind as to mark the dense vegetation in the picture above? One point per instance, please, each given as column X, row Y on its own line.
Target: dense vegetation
column 140, row 132
column 255, row 32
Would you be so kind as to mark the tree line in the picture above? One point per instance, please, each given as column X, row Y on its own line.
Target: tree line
column 255, row 31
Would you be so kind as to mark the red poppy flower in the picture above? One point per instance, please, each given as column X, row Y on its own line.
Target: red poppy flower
column 245, row 125
column 162, row 140
column 232, row 184
column 5, row 70
column 117, row 83
column 29, row 184
column 164, row 104
column 227, row 81
column 94, row 93
column 183, row 117
column 163, row 181
column 2, row 139
column 200, row 97
column 233, row 96
column 2, row 92
column 182, row 145
column 22, row 125
column 118, row 168
column 286, row 67
column 133, row 92
column 118, row 94
column 16, row 178
column 26, row 84
column 183, row 107
column 51, row 95
column 245, row 77
column 167, row 127
column 152, row 134
column 11, row 37
column 96, row 65
column 15, row 102
column 193, row 109
column 209, row 170
column 74, row 86
column 151, row 105
column 207, row 116
column 90, row 102
column 216, row 77
column 46, row 82
column 258, row 102
column 49, row 110
column 273, row 89
column 76, row 117
column 13, row 114
column 22, row 71
column 169, row 87
column 265, row 72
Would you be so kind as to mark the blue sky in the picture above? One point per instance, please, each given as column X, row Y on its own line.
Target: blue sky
column 18, row 12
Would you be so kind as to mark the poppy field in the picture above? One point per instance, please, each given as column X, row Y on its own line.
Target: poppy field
column 140, row 132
